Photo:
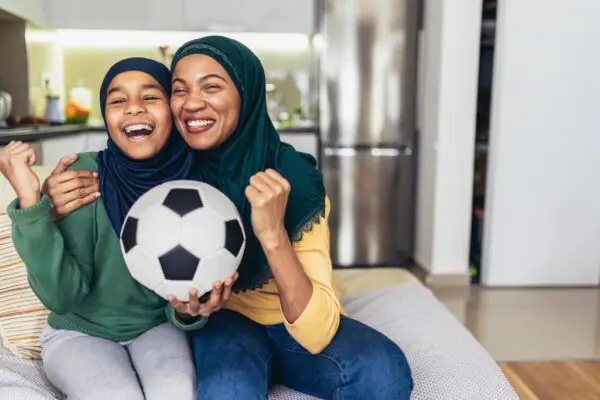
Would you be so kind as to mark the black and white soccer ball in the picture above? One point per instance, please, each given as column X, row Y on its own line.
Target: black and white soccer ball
column 182, row 235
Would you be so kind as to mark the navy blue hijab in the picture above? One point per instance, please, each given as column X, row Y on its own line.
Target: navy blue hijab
column 122, row 179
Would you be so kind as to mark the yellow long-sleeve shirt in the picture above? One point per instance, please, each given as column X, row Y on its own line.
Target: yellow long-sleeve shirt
column 318, row 323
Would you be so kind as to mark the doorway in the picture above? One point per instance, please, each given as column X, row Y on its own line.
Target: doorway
column 484, row 96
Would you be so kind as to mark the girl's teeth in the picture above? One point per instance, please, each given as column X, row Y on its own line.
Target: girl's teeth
column 198, row 123
column 139, row 127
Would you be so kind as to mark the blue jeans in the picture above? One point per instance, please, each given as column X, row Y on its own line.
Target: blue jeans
column 239, row 359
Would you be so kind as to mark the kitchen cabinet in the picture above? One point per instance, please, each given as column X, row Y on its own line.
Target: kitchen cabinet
column 51, row 149
column 54, row 148
column 290, row 16
column 95, row 141
column 115, row 14
column 192, row 15
column 29, row 10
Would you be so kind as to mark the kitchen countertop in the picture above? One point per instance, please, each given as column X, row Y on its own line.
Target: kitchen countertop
column 300, row 129
column 39, row 132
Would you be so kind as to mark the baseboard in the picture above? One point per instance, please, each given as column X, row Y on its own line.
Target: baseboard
column 440, row 280
column 448, row 280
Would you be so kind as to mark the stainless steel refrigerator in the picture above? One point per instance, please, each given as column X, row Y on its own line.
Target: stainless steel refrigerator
column 367, row 115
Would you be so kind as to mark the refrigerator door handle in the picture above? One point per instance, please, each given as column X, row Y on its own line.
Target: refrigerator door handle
column 403, row 150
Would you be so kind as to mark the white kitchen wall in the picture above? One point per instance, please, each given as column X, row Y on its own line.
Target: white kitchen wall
column 82, row 57
column 543, row 201
column 449, row 57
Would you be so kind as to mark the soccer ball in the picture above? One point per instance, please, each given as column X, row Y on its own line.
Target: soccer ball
column 182, row 235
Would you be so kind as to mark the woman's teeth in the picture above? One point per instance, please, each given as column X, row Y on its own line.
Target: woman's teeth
column 200, row 122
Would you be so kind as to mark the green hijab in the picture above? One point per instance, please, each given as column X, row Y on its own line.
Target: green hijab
column 255, row 146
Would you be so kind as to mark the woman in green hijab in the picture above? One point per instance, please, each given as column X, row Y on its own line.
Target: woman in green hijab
column 283, row 323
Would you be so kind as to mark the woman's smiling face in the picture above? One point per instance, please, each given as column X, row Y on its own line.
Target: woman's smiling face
column 205, row 102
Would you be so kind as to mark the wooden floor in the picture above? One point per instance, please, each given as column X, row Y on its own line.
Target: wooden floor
column 554, row 380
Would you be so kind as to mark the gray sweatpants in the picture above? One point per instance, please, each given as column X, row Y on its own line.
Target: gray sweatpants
column 158, row 365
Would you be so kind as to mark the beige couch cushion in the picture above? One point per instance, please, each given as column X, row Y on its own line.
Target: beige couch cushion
column 356, row 281
column 22, row 315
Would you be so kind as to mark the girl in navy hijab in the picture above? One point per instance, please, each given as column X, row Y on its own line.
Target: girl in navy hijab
column 107, row 336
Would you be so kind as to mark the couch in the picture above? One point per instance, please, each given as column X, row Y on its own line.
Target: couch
column 446, row 360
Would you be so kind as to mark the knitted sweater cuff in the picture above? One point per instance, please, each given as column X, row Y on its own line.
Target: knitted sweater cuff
column 185, row 325
column 20, row 215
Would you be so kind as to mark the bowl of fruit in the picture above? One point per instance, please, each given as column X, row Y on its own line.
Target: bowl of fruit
column 75, row 113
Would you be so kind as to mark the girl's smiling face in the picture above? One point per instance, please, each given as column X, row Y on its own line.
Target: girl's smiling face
column 137, row 114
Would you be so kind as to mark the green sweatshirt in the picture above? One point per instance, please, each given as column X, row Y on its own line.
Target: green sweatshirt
column 76, row 269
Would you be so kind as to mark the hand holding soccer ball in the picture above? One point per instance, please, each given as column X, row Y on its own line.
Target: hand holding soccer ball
column 207, row 304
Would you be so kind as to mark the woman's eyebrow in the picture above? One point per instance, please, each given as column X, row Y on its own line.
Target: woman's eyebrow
column 202, row 79
column 208, row 76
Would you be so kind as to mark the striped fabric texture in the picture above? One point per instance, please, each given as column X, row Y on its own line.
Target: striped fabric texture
column 22, row 315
